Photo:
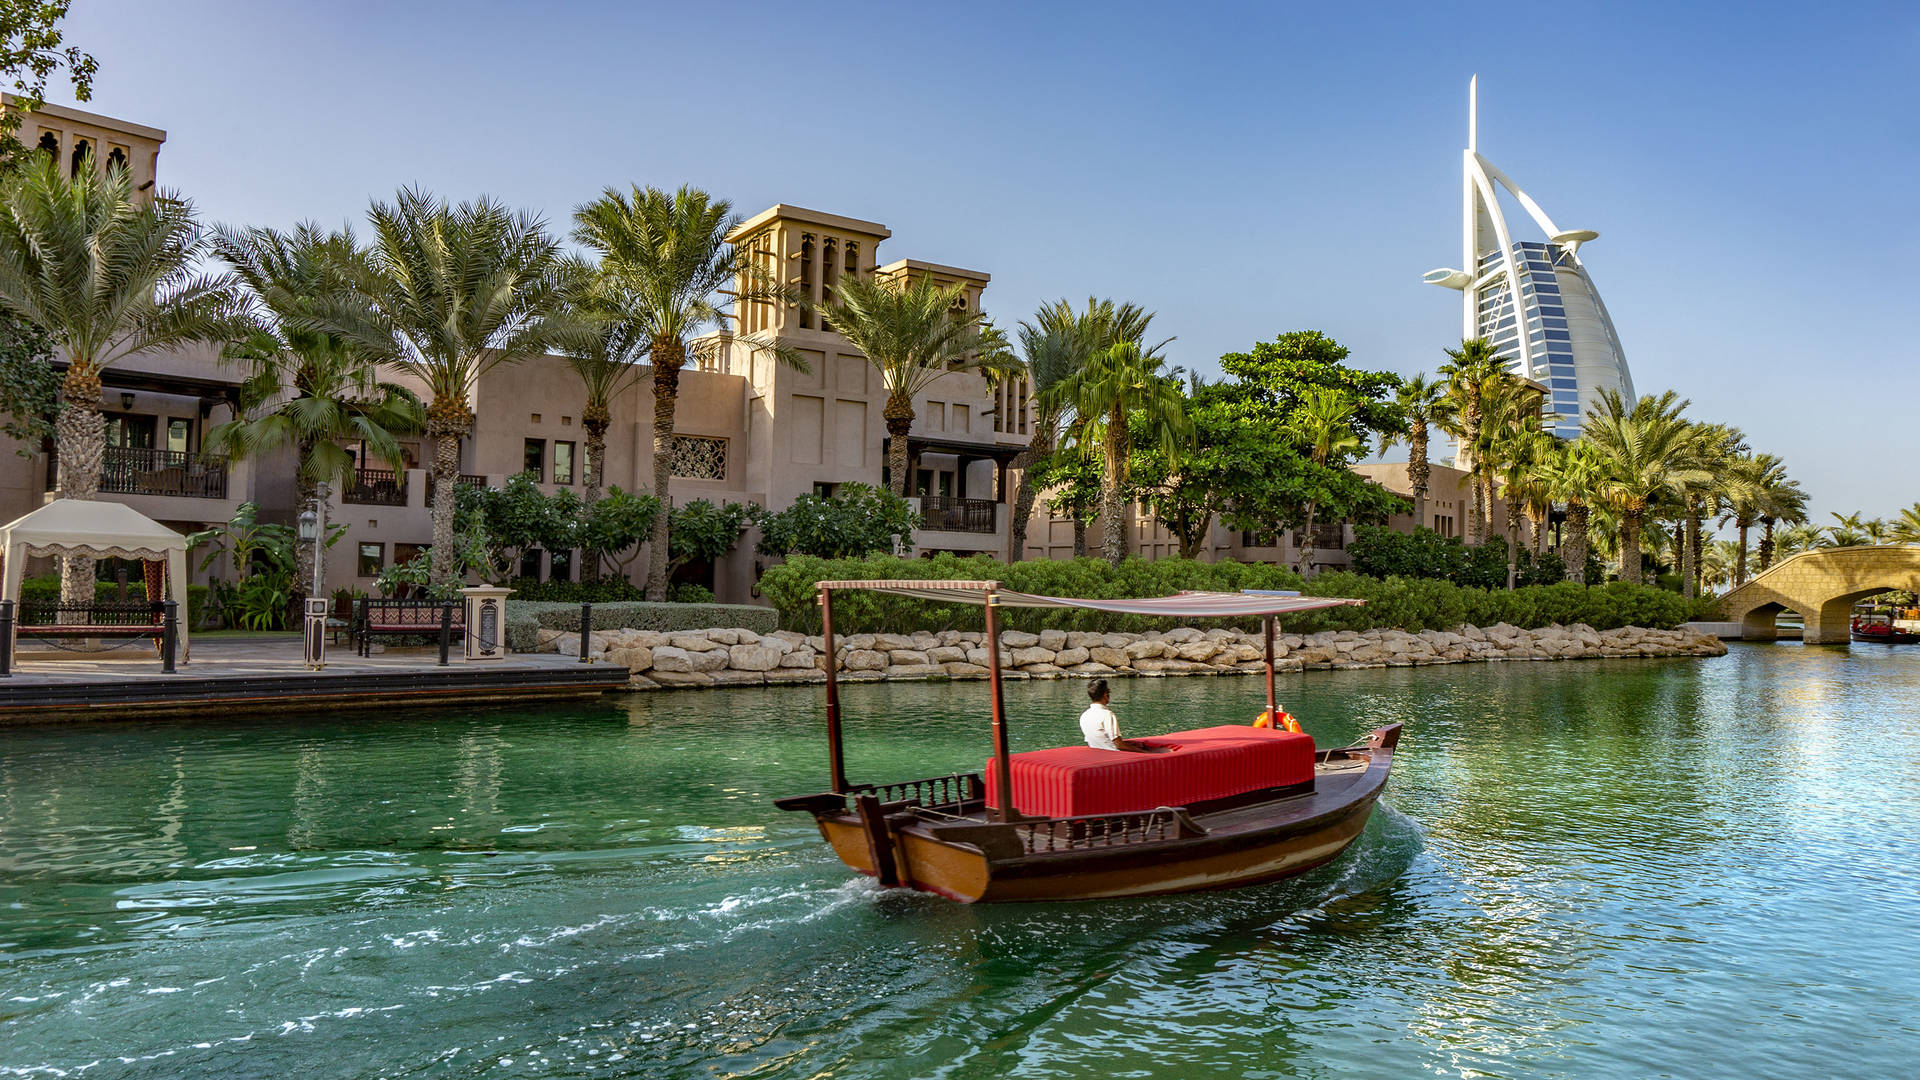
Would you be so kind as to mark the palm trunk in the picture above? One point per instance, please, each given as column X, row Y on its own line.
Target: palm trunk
column 668, row 355
column 1114, row 503
column 594, row 418
column 304, row 490
column 1689, row 553
column 1630, row 546
column 1513, row 544
column 1766, row 543
column 1306, row 544
column 1476, row 509
column 1419, row 472
column 1740, row 556
column 81, row 435
column 1575, row 550
column 1079, row 536
column 1037, row 448
column 447, row 420
column 898, row 413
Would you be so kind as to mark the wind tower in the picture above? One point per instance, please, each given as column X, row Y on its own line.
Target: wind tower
column 1532, row 299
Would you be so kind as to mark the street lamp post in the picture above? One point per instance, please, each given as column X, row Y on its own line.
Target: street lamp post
column 313, row 528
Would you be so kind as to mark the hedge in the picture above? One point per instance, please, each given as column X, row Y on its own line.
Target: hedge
column 45, row 589
column 525, row 618
column 1411, row 604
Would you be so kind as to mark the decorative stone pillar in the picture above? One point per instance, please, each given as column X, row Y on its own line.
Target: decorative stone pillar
column 486, row 622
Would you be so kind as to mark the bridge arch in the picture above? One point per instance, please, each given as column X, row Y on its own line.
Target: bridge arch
column 1822, row 585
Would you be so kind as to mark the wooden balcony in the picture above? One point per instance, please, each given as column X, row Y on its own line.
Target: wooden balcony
column 128, row 470
column 947, row 514
column 378, row 487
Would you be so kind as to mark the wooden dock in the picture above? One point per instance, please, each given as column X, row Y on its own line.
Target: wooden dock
column 267, row 675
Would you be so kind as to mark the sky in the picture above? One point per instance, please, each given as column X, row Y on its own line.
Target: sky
column 1242, row 170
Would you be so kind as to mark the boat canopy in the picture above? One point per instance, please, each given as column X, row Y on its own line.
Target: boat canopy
column 1190, row 604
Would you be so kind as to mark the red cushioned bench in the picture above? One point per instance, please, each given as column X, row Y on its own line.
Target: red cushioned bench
column 1207, row 763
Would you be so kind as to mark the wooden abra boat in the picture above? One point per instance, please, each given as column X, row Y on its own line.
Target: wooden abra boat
column 1882, row 628
column 1217, row 808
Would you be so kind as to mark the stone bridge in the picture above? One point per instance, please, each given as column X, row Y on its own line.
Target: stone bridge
column 1822, row 585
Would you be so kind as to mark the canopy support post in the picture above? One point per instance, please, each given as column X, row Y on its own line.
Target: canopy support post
column 1267, row 629
column 836, row 756
column 1001, row 762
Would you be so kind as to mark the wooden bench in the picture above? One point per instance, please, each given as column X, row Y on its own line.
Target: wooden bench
column 92, row 620
column 402, row 618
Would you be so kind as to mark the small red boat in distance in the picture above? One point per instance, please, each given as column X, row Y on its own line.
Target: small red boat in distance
column 1215, row 808
column 1881, row 627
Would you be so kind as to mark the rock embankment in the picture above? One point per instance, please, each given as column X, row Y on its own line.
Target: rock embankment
column 733, row 657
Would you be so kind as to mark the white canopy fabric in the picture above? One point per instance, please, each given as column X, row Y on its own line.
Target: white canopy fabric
column 1181, row 605
column 99, row 530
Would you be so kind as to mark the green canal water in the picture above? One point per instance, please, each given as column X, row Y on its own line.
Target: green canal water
column 1598, row 869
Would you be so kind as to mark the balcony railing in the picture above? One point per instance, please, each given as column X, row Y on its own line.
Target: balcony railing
column 1325, row 537
column 948, row 514
column 472, row 480
column 378, row 487
column 127, row 470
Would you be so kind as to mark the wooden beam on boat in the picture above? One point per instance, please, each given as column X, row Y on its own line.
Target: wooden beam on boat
column 1002, row 762
column 835, row 753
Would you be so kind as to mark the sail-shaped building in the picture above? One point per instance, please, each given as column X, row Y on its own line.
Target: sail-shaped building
column 1533, row 299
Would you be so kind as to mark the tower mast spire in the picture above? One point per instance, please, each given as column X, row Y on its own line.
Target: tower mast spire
column 1473, row 113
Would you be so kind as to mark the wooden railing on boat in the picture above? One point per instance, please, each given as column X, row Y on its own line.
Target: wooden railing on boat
column 934, row 791
column 1107, row 830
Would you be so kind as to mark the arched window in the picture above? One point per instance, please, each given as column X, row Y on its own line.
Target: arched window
column 81, row 148
column 117, row 159
column 50, row 144
column 851, row 264
column 806, row 278
column 828, row 278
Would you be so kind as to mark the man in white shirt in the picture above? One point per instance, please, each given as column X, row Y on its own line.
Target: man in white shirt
column 1100, row 726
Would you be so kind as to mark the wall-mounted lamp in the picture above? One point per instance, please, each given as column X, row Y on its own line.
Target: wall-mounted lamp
column 126, row 401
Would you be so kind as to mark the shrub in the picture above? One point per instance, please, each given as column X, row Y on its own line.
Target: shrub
column 641, row 615
column 606, row 590
column 688, row 592
column 1412, row 604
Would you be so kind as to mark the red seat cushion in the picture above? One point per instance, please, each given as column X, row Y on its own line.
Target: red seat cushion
column 1208, row 763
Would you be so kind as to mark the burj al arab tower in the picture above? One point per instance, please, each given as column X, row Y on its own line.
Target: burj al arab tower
column 1532, row 299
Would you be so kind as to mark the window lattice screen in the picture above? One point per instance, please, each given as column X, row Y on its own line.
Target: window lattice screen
column 699, row 457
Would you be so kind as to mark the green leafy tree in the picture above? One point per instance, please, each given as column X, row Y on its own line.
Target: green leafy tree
column 29, row 385
column 856, row 520
column 665, row 256
column 617, row 522
column 1072, row 483
column 307, row 389
column 105, row 277
column 914, row 332
column 452, row 292
column 32, row 48
column 703, row 530
column 1326, row 423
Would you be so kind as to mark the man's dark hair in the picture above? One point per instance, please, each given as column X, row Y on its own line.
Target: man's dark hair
column 1097, row 689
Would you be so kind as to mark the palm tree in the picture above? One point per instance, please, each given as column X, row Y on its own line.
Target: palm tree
column 451, row 292
column 1649, row 453
column 1747, row 480
column 1720, row 447
column 1425, row 404
column 1804, row 536
column 914, row 332
column 608, row 356
column 105, row 277
column 1326, row 427
column 668, row 257
column 1572, row 473
column 1120, row 384
column 1847, row 530
column 1784, row 503
column 1906, row 528
column 1472, row 370
column 307, row 388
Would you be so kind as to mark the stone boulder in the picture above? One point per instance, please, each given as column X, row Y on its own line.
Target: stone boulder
column 1018, row 639
column 861, row 660
column 754, row 658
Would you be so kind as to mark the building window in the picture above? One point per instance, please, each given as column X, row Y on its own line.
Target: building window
column 699, row 457
column 806, row 279
column 535, row 459
column 560, row 566
column 179, row 435
column 825, row 489
column 563, row 463
column 50, row 144
column 850, row 265
column 828, row 276
column 530, row 563
column 81, row 148
column 372, row 559
column 117, row 158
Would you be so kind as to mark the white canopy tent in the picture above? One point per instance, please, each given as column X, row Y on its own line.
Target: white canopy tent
column 99, row 530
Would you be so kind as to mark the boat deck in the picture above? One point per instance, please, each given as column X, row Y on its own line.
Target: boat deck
column 267, row 674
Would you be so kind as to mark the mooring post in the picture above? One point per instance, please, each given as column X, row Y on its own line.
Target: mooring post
column 6, row 639
column 1273, row 714
column 586, row 631
column 446, row 630
column 169, row 635
column 836, row 759
column 1002, row 762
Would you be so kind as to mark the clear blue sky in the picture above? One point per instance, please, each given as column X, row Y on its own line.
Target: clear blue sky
column 1241, row 170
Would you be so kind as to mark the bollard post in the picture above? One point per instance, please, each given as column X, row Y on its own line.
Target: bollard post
column 446, row 629
column 6, row 639
column 586, row 631
column 169, row 635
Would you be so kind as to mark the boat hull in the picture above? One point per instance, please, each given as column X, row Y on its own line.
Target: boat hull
column 1231, row 843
